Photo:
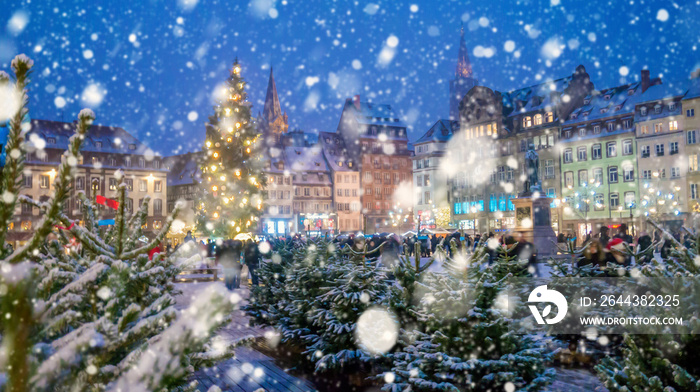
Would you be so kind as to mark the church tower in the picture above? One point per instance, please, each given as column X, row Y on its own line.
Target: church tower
column 272, row 122
column 463, row 81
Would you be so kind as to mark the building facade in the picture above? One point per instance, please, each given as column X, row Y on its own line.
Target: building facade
column 376, row 138
column 691, row 111
column 105, row 150
column 496, row 130
column 277, row 218
column 662, row 158
column 184, row 177
column 313, row 197
column 345, row 176
column 430, row 189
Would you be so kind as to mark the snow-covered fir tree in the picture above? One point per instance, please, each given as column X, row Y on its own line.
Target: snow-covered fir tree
column 357, row 287
column 267, row 299
column 663, row 361
column 231, row 199
column 465, row 342
column 99, row 315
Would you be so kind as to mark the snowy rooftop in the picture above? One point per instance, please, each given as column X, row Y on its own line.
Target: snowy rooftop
column 537, row 97
column 609, row 102
column 305, row 159
column 335, row 152
column 183, row 169
column 375, row 114
column 99, row 138
column 441, row 131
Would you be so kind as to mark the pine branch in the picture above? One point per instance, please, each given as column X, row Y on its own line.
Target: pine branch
column 14, row 161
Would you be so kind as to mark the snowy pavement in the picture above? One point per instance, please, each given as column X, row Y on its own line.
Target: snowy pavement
column 249, row 370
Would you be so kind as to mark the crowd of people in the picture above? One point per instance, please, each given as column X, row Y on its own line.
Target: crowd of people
column 598, row 250
column 601, row 249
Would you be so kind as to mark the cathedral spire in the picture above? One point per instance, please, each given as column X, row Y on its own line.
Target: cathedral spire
column 464, row 66
column 272, row 108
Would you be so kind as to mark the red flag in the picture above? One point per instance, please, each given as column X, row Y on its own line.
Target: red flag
column 66, row 228
column 106, row 202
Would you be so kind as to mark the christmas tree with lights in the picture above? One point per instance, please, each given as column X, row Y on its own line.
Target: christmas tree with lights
column 231, row 199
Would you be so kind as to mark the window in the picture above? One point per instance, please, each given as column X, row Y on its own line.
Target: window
column 611, row 127
column 527, row 122
column 691, row 138
column 44, row 181
column 693, row 191
column 673, row 125
column 80, row 183
column 132, row 147
column 598, row 175
column 143, row 186
column 599, row 202
column 583, row 177
column 596, row 151
column 158, row 186
column 628, row 173
column 643, row 111
column 581, row 153
column 95, row 184
column 427, row 180
column 662, row 173
column 614, row 200
column 157, row 207
column 630, row 200
column 129, row 184
column 129, row 204
column 659, row 150
column 690, row 113
column 549, row 168
column 612, row 149
column 658, row 128
column 626, row 147
column 51, row 140
column 549, row 117
column 569, row 179
column 95, row 161
column 568, row 155
column 612, row 174
column 646, row 151
column 644, row 129
column 538, row 119
column 156, row 164
column 673, row 148
column 27, row 180
column 112, row 184
column 113, row 162
column 142, row 163
column 671, row 106
column 657, row 109
column 675, row 172
column 596, row 129
column 646, row 174
column 26, row 208
column 693, row 162
column 627, row 124
column 127, row 161
column 582, row 132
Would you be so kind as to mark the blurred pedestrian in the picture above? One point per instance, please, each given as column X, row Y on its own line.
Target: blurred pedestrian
column 251, row 256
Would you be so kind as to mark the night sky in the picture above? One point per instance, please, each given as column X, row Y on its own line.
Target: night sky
column 151, row 67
